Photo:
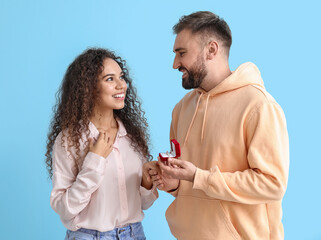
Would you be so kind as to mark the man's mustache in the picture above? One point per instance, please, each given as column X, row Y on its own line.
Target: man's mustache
column 182, row 68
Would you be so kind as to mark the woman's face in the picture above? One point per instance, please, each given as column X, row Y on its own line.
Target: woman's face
column 111, row 86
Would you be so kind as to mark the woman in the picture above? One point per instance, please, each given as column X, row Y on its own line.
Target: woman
column 97, row 145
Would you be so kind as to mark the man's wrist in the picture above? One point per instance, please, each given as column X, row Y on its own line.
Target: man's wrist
column 173, row 190
column 193, row 178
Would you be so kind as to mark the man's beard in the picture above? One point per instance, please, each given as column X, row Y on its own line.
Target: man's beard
column 196, row 74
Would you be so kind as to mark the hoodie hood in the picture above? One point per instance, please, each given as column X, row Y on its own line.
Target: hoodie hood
column 246, row 74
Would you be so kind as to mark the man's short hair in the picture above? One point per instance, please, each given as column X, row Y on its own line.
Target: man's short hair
column 207, row 25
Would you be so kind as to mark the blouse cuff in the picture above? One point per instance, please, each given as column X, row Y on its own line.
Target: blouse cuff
column 152, row 192
column 95, row 162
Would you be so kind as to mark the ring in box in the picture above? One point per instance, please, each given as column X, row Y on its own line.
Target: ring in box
column 175, row 151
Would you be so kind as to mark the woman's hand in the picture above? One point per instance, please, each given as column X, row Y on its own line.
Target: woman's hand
column 160, row 179
column 103, row 146
column 149, row 169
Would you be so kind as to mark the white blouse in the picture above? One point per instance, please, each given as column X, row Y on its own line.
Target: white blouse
column 106, row 193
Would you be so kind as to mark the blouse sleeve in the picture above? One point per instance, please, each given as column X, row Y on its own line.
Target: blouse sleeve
column 71, row 192
column 148, row 197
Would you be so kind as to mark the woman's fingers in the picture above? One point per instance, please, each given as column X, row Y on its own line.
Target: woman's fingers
column 91, row 143
column 103, row 146
column 106, row 137
column 100, row 136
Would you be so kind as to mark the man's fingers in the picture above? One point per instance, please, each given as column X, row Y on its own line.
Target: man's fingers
column 176, row 163
column 163, row 166
column 167, row 171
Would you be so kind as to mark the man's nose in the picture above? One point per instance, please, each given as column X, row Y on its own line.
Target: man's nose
column 176, row 63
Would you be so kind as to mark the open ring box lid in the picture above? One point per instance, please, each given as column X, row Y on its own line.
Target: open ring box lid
column 175, row 151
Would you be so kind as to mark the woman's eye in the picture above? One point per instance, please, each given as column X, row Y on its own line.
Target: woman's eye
column 122, row 77
column 109, row 79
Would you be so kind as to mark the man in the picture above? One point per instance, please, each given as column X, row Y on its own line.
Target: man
column 233, row 169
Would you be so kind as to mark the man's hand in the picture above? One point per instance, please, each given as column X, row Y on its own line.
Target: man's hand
column 164, row 182
column 179, row 169
column 153, row 176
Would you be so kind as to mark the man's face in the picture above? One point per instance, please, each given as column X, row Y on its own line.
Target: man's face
column 189, row 59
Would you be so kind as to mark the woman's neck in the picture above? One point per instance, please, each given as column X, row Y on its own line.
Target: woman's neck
column 103, row 120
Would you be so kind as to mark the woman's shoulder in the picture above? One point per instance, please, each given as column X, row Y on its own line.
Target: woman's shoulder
column 64, row 138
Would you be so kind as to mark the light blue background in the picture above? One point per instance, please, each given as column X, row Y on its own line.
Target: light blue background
column 40, row 38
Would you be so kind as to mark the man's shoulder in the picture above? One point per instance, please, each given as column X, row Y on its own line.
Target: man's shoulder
column 257, row 93
column 257, row 98
column 187, row 97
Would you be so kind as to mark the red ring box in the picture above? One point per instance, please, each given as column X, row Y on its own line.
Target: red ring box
column 175, row 151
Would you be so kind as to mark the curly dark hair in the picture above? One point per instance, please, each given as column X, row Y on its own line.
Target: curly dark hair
column 76, row 100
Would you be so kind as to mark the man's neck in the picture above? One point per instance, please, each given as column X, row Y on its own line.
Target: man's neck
column 215, row 77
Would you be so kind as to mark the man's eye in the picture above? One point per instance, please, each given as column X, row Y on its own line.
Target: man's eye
column 181, row 54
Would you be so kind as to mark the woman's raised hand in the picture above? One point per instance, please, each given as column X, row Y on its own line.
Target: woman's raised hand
column 103, row 146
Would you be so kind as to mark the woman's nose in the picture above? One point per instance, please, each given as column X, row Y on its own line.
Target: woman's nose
column 121, row 84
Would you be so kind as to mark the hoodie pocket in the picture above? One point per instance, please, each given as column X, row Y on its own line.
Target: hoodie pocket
column 191, row 217
column 228, row 222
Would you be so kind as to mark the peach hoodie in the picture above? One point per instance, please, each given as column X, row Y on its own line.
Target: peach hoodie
column 236, row 135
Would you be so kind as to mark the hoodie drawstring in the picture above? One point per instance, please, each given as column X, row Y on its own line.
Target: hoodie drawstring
column 244, row 75
column 204, row 119
column 190, row 126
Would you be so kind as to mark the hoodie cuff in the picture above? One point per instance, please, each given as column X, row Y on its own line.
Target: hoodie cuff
column 200, row 179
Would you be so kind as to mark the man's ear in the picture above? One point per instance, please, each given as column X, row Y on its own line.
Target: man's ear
column 212, row 49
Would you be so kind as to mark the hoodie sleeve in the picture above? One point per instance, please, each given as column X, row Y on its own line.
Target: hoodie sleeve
column 173, row 136
column 268, row 159
column 71, row 193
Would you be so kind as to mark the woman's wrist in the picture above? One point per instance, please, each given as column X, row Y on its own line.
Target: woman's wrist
column 146, row 184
